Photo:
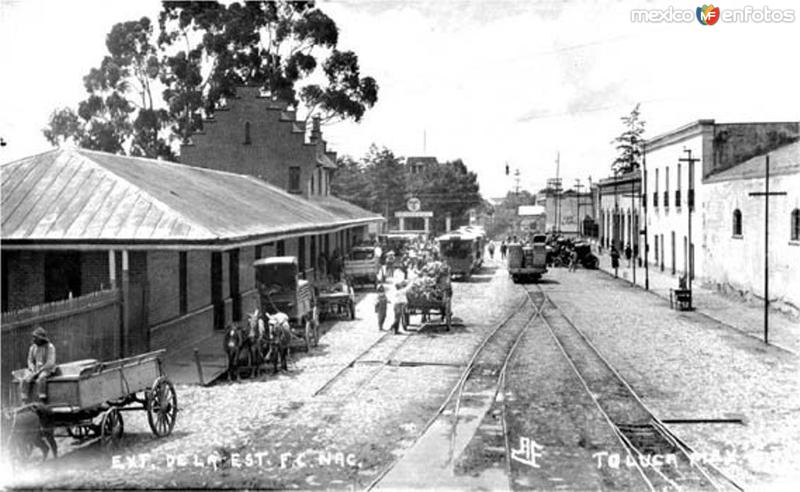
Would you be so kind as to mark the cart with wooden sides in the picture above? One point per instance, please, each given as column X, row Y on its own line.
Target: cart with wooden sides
column 336, row 299
column 86, row 399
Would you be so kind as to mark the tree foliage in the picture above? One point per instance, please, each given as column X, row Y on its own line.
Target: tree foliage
column 448, row 188
column 380, row 182
column 155, row 86
column 629, row 143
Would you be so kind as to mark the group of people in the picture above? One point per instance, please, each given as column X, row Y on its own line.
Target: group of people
column 399, row 301
column 410, row 259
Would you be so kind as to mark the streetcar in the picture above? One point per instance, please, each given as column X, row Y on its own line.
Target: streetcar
column 462, row 251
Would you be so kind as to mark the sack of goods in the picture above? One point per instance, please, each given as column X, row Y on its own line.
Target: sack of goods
column 431, row 285
column 436, row 270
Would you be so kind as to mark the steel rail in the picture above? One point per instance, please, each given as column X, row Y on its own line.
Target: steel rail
column 626, row 444
column 658, row 426
column 465, row 373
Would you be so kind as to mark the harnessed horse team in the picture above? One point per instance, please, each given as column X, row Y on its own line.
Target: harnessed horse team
column 264, row 338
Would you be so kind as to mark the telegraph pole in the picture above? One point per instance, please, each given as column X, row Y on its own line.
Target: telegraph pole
column 643, row 190
column 689, row 247
column 766, row 194
column 578, row 187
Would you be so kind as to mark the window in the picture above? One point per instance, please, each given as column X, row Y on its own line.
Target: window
column 737, row 223
column 666, row 199
column 678, row 198
column 666, row 187
column 294, row 179
column 655, row 190
column 795, row 229
column 247, row 140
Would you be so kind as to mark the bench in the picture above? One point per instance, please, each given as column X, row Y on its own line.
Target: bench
column 680, row 299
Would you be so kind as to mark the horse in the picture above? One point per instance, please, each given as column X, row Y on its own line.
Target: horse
column 280, row 337
column 25, row 428
column 257, row 340
column 235, row 344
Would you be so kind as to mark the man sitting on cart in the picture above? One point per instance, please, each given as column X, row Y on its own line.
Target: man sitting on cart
column 41, row 363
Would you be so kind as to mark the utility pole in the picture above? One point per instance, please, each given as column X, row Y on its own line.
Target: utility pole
column 643, row 190
column 558, row 192
column 630, row 226
column 578, row 187
column 689, row 247
column 766, row 194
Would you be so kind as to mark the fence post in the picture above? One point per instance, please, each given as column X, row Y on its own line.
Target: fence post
column 199, row 367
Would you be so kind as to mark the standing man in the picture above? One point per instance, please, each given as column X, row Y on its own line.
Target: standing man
column 400, row 300
column 573, row 260
column 491, row 249
column 41, row 362
column 628, row 253
column 615, row 260
column 380, row 307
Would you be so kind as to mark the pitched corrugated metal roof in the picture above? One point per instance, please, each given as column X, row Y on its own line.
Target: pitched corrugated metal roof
column 783, row 160
column 343, row 208
column 82, row 195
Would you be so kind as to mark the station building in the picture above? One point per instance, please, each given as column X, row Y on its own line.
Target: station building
column 117, row 255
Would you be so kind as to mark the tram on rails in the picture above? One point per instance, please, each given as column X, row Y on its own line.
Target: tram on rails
column 462, row 251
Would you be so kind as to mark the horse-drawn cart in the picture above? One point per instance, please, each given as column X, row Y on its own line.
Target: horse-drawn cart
column 336, row 299
column 86, row 398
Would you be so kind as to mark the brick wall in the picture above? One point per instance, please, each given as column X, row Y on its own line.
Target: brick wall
column 198, row 279
column 737, row 142
column 277, row 142
column 164, row 302
column 25, row 278
column 94, row 271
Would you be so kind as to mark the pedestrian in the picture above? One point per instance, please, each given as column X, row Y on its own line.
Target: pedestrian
column 399, row 304
column 404, row 262
column 380, row 307
column 615, row 260
column 628, row 253
column 491, row 249
column 573, row 260
column 390, row 260
column 503, row 248
column 41, row 362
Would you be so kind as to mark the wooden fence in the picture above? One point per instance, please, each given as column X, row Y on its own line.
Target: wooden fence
column 86, row 327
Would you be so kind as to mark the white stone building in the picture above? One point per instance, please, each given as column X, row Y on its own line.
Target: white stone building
column 733, row 228
column 678, row 194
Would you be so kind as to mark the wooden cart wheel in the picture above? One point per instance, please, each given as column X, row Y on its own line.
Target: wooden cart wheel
column 162, row 407
column 111, row 427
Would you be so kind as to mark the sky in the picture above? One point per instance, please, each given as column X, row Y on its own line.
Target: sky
column 488, row 82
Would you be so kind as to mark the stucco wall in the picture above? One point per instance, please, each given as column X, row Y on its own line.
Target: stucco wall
column 737, row 263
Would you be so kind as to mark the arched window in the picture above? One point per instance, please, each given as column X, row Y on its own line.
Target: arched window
column 795, row 228
column 737, row 222
column 247, row 140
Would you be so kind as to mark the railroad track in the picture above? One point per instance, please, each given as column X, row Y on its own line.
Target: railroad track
column 456, row 395
column 361, row 357
column 644, row 435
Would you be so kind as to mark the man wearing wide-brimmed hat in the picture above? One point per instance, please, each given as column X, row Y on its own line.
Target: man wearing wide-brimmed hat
column 41, row 362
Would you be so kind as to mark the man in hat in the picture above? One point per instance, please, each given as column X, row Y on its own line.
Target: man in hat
column 41, row 363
